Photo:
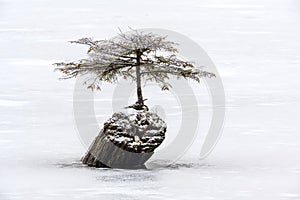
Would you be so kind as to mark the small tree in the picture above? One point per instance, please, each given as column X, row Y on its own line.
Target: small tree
column 134, row 56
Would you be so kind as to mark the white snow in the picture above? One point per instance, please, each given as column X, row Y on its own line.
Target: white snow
column 254, row 43
column 140, row 130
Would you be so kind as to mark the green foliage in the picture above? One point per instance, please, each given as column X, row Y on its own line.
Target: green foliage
column 110, row 60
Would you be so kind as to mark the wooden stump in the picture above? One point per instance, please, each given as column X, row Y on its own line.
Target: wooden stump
column 126, row 141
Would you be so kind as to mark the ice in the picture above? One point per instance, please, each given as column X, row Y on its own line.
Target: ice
column 255, row 45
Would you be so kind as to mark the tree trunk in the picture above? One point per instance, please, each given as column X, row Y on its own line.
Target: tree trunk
column 104, row 154
column 126, row 141
column 138, row 79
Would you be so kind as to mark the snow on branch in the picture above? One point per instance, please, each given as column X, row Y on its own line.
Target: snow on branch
column 109, row 60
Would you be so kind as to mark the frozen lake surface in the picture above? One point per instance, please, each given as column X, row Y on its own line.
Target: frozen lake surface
column 255, row 46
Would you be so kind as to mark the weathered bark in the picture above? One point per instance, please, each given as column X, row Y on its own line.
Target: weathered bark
column 126, row 141
column 104, row 151
column 140, row 101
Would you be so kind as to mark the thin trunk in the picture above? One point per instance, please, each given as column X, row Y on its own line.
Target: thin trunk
column 138, row 79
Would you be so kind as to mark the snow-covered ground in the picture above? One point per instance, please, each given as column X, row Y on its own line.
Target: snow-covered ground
column 255, row 45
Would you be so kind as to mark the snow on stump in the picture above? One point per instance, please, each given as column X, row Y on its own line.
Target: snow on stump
column 126, row 141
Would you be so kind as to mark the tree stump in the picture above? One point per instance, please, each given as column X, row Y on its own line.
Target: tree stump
column 126, row 141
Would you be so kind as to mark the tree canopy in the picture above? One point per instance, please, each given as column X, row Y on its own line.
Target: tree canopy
column 135, row 56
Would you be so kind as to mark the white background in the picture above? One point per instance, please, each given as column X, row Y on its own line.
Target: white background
column 255, row 46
